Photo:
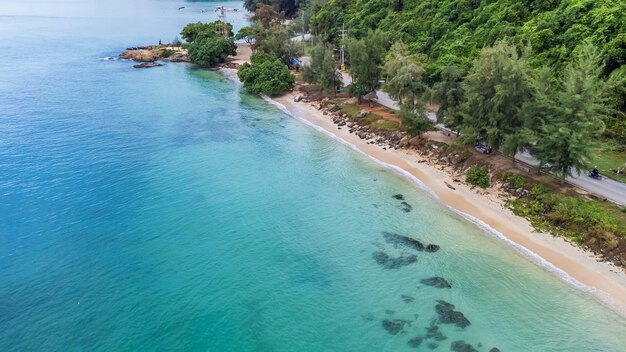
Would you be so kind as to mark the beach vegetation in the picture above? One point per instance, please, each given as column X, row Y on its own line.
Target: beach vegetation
column 245, row 33
column 266, row 74
column 414, row 122
column 210, row 50
column 385, row 125
column 478, row 176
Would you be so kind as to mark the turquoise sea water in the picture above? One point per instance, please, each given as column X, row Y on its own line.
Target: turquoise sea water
column 165, row 209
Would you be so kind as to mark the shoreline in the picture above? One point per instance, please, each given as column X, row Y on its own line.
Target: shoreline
column 569, row 262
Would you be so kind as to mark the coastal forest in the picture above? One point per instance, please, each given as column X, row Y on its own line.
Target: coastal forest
column 543, row 77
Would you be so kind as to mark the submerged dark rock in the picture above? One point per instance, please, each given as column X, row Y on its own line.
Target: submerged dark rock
column 447, row 315
column 432, row 248
column 432, row 345
column 461, row 346
column 399, row 240
column 388, row 262
column 407, row 298
column 416, row 341
column 438, row 282
column 495, row 349
column 406, row 207
column 394, row 326
column 433, row 332
column 399, row 197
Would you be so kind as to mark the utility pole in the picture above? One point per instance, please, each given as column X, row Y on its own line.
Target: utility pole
column 343, row 46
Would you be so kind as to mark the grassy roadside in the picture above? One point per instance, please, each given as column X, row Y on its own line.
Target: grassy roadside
column 609, row 157
column 599, row 226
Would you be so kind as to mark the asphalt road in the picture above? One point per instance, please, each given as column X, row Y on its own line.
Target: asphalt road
column 606, row 188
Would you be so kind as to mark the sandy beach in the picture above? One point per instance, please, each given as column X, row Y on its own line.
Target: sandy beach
column 573, row 264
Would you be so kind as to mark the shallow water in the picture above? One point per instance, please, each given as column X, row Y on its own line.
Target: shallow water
column 165, row 209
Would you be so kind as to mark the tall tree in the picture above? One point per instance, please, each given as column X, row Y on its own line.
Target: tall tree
column 267, row 16
column 448, row 93
column 322, row 69
column 366, row 58
column 496, row 89
column 404, row 76
column 577, row 111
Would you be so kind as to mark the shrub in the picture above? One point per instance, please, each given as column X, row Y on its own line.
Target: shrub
column 166, row 53
column 477, row 175
column 515, row 181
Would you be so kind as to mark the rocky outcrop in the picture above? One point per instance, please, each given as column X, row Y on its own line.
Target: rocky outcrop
column 147, row 65
column 150, row 54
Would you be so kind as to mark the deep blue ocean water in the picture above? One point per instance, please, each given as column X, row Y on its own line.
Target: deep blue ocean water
column 166, row 209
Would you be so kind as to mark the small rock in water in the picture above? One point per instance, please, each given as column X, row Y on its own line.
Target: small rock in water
column 407, row 298
column 416, row 341
column 399, row 240
column 406, row 207
column 438, row 282
column 432, row 345
column 394, row 326
column 461, row 346
column 432, row 248
column 447, row 315
column 495, row 349
column 390, row 312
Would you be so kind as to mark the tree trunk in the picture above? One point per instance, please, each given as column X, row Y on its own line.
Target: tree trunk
column 514, row 152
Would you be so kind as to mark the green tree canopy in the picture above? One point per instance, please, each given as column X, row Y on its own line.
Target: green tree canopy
column 404, row 77
column 322, row 69
column 191, row 31
column 496, row 90
column 366, row 58
column 265, row 75
column 448, row 93
column 207, row 51
column 577, row 111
